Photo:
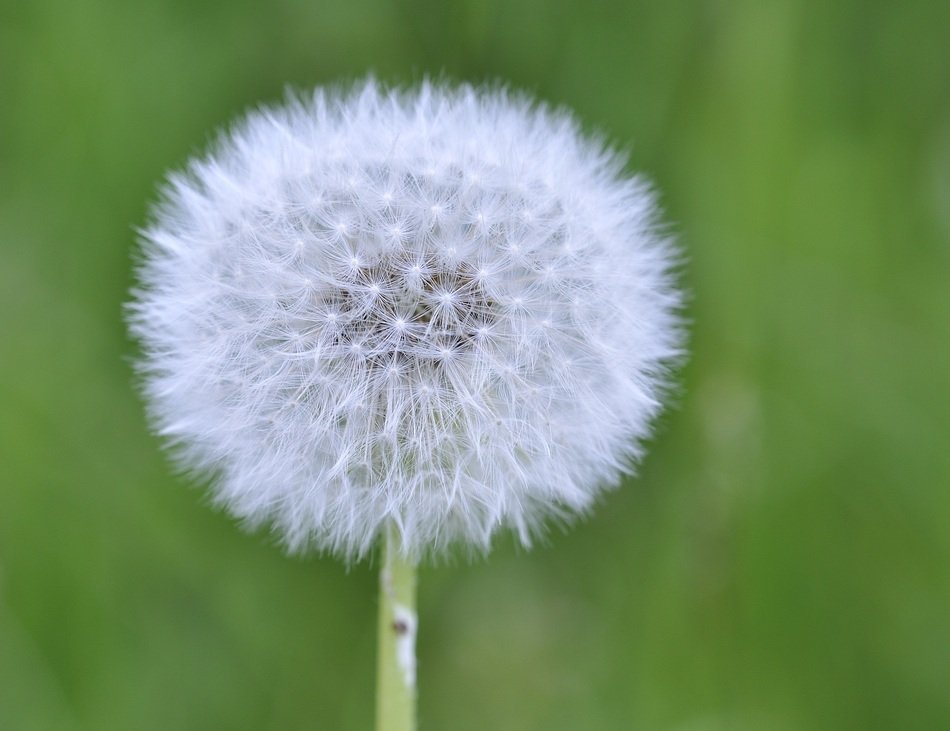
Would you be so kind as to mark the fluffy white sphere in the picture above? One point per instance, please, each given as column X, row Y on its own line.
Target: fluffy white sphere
column 441, row 309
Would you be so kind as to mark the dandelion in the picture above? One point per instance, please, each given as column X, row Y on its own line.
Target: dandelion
column 427, row 314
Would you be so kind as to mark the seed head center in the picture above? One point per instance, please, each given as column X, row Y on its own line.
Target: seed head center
column 396, row 311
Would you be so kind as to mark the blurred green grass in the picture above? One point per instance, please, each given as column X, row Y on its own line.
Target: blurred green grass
column 782, row 561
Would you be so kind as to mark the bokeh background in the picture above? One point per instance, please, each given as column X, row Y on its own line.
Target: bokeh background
column 782, row 562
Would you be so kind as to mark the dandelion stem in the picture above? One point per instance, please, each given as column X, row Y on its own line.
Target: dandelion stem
column 396, row 659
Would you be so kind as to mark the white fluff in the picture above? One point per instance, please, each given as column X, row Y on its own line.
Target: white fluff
column 440, row 307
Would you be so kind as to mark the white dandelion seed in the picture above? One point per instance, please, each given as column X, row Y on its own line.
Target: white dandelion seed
column 441, row 310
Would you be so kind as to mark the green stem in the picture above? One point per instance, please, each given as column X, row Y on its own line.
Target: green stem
column 396, row 659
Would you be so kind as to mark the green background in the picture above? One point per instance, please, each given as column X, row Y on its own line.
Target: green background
column 782, row 561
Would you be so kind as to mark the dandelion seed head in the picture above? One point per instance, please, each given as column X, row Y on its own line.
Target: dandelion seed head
column 443, row 309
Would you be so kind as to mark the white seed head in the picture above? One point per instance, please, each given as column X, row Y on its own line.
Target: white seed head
column 443, row 309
